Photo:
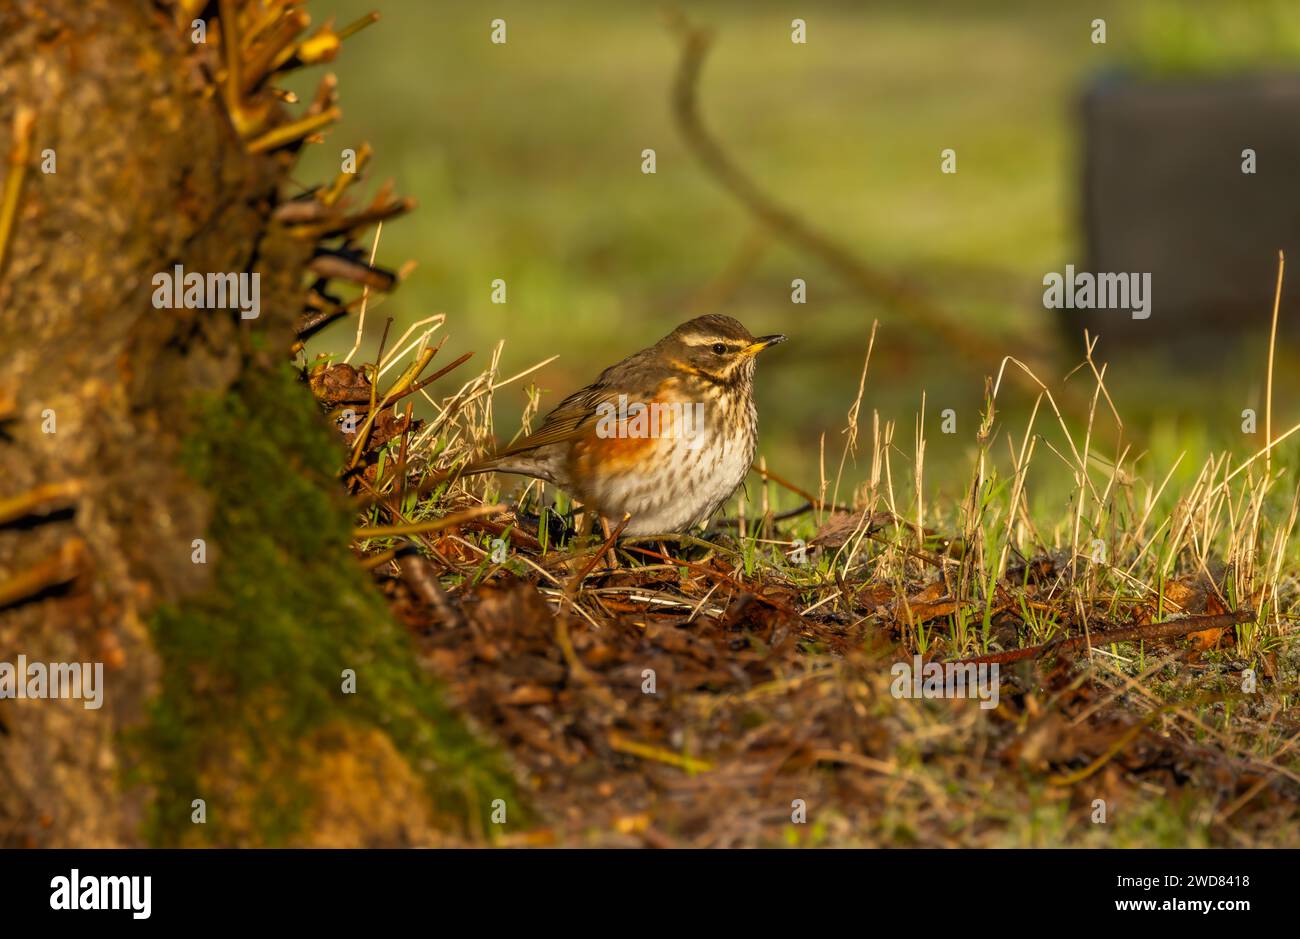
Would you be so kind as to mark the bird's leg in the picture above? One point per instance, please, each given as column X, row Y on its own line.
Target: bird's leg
column 663, row 548
column 611, row 556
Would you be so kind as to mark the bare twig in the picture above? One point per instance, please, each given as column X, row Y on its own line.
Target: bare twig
column 1170, row 629
column 19, row 154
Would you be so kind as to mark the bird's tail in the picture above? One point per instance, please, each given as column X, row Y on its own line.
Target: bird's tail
column 508, row 463
column 478, row 467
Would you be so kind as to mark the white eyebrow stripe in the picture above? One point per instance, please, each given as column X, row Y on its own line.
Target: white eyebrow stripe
column 729, row 343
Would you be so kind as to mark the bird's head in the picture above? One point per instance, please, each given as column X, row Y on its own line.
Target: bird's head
column 716, row 348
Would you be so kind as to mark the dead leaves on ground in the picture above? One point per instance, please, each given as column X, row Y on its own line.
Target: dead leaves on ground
column 669, row 728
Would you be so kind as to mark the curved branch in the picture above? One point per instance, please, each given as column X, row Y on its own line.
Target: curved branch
column 877, row 285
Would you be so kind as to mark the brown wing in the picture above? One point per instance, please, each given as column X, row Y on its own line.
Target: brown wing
column 571, row 418
column 568, row 421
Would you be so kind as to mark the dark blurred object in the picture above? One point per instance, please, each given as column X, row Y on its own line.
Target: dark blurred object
column 1164, row 193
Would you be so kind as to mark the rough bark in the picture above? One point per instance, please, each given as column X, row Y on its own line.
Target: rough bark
column 222, row 679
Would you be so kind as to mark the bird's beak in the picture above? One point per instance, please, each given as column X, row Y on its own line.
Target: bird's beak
column 761, row 343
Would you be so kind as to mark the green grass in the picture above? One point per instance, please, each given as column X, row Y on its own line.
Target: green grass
column 525, row 159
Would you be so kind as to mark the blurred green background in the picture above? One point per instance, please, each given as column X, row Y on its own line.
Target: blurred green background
column 525, row 159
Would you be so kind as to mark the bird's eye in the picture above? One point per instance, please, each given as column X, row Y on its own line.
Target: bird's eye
column 719, row 348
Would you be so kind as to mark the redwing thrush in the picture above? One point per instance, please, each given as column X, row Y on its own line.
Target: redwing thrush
column 665, row 436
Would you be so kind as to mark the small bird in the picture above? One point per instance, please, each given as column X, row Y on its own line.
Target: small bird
column 664, row 436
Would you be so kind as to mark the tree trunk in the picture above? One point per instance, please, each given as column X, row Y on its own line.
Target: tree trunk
column 135, row 440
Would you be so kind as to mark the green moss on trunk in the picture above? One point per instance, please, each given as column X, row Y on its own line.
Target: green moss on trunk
column 252, row 668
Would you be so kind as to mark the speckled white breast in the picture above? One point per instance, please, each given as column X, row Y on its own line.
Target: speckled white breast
column 686, row 480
